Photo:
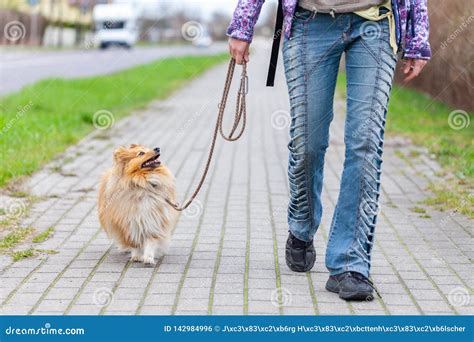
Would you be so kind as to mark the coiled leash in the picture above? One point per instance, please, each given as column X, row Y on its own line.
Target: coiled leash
column 239, row 116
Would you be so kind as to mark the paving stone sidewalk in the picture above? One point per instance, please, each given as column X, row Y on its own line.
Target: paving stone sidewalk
column 227, row 255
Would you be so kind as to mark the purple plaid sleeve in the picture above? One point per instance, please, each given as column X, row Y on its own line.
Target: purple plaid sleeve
column 417, row 45
column 411, row 18
column 244, row 19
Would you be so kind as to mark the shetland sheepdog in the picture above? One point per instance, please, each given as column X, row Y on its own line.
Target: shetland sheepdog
column 132, row 202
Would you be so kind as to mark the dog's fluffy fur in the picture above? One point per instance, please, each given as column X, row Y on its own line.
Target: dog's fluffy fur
column 132, row 202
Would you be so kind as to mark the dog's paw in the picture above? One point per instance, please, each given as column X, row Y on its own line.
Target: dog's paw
column 136, row 258
column 148, row 260
column 136, row 255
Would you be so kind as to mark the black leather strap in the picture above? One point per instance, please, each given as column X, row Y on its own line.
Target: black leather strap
column 275, row 46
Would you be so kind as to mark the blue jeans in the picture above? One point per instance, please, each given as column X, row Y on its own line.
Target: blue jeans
column 311, row 58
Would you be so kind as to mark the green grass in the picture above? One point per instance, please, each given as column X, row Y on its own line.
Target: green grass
column 418, row 210
column 43, row 236
column 23, row 254
column 19, row 235
column 29, row 253
column 18, row 194
column 41, row 120
column 424, row 121
column 15, row 237
column 452, row 196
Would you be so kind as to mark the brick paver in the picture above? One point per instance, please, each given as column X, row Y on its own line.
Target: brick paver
column 227, row 255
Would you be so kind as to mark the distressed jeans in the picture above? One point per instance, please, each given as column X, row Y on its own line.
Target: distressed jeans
column 312, row 56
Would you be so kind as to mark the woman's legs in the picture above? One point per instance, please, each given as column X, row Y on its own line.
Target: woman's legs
column 370, row 64
column 311, row 59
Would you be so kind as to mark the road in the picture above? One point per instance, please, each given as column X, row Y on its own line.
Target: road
column 20, row 68
column 227, row 254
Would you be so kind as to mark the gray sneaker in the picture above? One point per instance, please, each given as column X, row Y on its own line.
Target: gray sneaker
column 351, row 286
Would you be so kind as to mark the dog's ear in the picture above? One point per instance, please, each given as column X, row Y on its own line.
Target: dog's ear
column 120, row 154
column 134, row 145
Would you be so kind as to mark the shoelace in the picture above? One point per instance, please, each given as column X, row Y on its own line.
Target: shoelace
column 367, row 281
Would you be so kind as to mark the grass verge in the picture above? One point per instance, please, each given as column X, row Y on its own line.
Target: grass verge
column 429, row 123
column 43, row 119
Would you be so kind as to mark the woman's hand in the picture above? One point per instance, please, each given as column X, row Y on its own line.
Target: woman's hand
column 239, row 50
column 412, row 68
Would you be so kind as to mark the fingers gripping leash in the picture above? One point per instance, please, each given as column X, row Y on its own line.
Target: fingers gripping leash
column 240, row 116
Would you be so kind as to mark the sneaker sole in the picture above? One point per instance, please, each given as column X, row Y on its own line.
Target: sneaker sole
column 356, row 296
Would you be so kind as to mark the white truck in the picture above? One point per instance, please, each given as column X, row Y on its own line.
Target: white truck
column 115, row 24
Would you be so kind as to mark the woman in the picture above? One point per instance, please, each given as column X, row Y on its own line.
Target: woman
column 317, row 33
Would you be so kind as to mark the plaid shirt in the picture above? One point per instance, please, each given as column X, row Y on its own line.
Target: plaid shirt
column 411, row 18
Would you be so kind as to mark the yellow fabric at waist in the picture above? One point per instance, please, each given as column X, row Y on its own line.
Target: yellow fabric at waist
column 373, row 14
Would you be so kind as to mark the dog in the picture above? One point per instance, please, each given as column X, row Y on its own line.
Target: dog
column 132, row 202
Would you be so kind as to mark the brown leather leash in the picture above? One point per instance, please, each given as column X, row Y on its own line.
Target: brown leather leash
column 239, row 116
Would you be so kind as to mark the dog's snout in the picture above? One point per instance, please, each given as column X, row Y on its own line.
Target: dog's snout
column 156, row 149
